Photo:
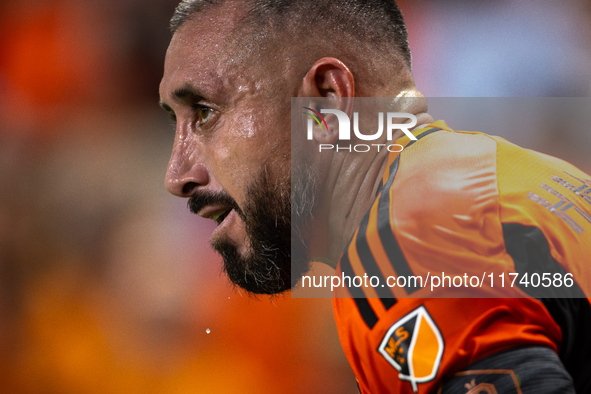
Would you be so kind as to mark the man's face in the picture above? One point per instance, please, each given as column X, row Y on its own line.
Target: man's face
column 231, row 153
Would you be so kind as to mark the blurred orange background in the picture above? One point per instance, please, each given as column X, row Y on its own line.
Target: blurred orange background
column 107, row 283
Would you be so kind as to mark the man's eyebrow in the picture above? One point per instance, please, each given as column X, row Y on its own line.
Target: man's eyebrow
column 187, row 92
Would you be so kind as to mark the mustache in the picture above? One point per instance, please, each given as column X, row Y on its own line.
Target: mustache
column 202, row 199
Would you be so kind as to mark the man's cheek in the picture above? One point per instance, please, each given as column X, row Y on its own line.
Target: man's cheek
column 228, row 168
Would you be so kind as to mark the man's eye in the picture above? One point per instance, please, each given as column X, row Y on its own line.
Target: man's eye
column 171, row 117
column 204, row 113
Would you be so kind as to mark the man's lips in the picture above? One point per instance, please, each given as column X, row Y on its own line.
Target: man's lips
column 212, row 205
column 215, row 212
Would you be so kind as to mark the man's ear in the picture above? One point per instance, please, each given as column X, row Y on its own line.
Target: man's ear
column 329, row 78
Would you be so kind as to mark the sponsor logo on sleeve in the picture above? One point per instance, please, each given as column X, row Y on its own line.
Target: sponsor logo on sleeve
column 414, row 346
column 481, row 388
column 483, row 381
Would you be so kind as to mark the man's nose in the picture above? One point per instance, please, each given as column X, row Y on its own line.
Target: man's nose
column 185, row 172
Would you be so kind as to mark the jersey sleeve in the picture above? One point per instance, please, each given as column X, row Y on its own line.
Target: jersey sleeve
column 524, row 369
column 441, row 212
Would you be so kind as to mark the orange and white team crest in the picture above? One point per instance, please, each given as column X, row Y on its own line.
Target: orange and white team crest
column 414, row 346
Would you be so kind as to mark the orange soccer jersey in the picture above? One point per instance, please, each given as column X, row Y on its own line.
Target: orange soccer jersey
column 470, row 205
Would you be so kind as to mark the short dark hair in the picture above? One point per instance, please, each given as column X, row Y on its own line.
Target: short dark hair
column 366, row 23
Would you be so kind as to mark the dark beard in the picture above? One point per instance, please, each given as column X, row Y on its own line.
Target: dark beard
column 277, row 253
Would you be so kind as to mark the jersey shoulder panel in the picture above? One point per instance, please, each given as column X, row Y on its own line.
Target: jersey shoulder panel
column 544, row 193
column 443, row 206
column 438, row 210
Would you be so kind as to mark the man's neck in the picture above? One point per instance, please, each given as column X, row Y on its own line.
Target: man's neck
column 353, row 184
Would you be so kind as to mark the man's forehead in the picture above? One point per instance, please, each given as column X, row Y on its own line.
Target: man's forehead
column 200, row 50
column 220, row 20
